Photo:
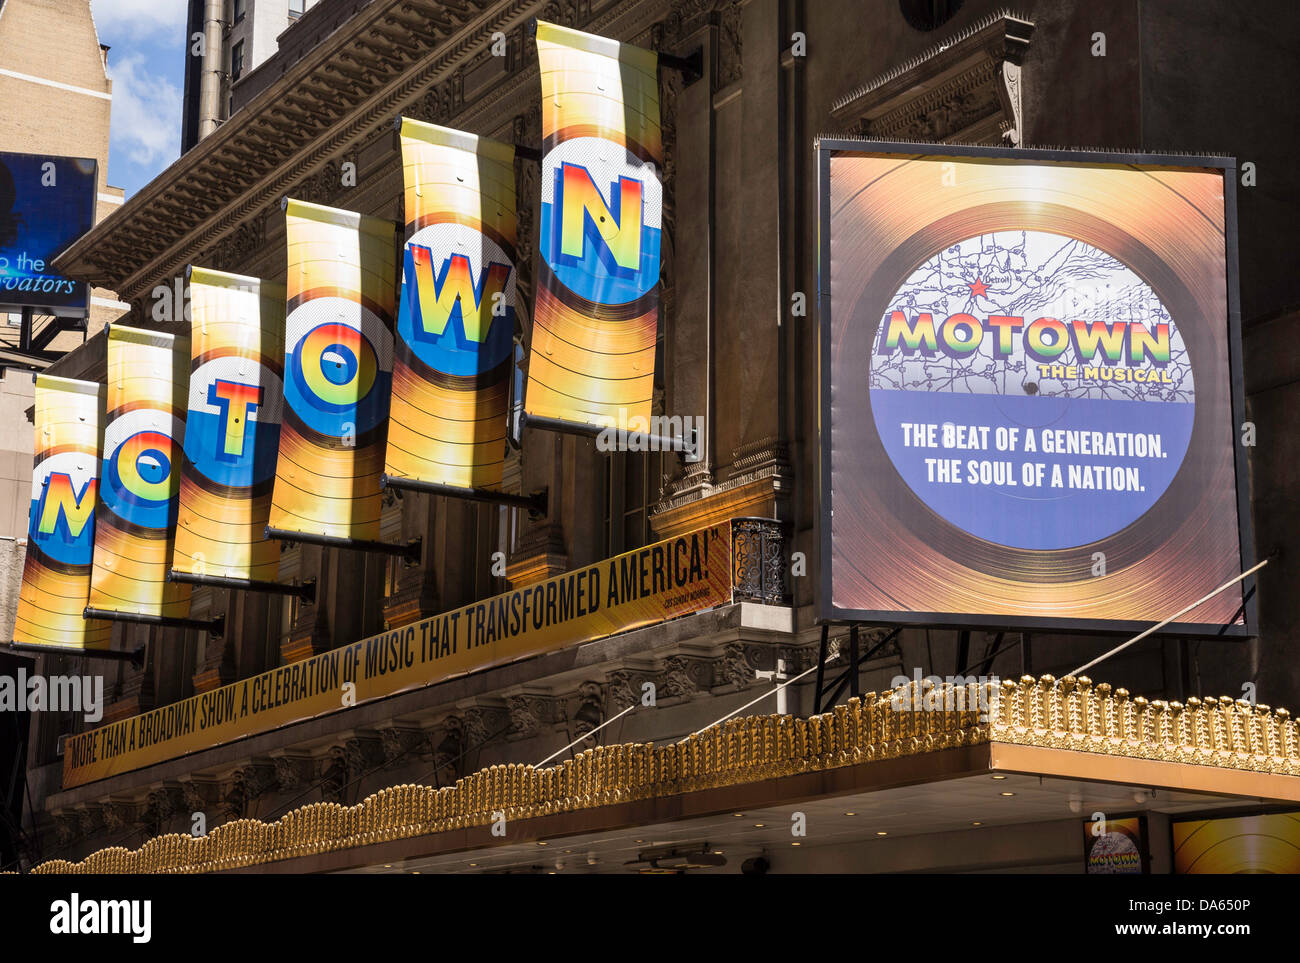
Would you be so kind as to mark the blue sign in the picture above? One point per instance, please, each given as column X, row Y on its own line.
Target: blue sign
column 46, row 203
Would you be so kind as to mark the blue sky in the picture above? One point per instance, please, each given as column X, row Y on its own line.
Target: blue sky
column 147, row 64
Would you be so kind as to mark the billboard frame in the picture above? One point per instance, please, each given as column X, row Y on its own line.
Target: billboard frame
column 826, row 611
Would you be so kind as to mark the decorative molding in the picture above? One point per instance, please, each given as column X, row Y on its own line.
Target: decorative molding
column 334, row 774
column 1070, row 714
column 531, row 713
column 966, row 88
column 762, row 495
column 686, row 677
column 292, row 770
column 199, row 795
column 401, row 742
column 589, row 712
column 737, row 666
column 239, row 247
column 540, row 554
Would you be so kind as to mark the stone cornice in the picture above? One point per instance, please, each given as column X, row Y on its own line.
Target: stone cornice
column 967, row 87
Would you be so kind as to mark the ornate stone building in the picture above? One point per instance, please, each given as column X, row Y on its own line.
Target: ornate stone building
column 740, row 248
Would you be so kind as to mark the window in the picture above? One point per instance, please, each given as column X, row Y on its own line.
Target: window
column 516, row 424
column 239, row 9
column 632, row 481
column 236, row 60
column 297, row 8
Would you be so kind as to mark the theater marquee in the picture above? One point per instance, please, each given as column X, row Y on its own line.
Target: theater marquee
column 1030, row 388
column 670, row 578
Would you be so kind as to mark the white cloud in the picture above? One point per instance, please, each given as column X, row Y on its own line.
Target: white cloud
column 141, row 16
column 146, row 114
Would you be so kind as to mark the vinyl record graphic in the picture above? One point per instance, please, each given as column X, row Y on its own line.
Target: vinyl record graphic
column 1245, row 844
column 1027, row 384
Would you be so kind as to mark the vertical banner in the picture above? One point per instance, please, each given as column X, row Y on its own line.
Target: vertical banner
column 592, row 357
column 140, row 477
column 456, row 321
column 338, row 370
column 61, row 526
column 232, row 431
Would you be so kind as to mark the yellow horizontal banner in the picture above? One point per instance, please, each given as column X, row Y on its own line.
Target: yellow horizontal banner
column 661, row 581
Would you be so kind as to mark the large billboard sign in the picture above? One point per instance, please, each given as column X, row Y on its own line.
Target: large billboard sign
column 1030, row 388
column 46, row 203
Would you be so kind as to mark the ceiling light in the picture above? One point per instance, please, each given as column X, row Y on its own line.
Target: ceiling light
column 999, row 777
column 796, row 844
column 1008, row 794
column 850, row 814
column 541, row 843
column 977, row 823
column 881, row 833
column 759, row 825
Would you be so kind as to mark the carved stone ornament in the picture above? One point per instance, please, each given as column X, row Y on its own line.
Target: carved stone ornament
column 684, row 678
column 334, row 775
column 290, row 772
column 624, row 690
column 735, row 668
column 964, row 89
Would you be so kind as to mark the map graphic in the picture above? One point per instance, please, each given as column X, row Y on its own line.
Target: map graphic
column 1058, row 349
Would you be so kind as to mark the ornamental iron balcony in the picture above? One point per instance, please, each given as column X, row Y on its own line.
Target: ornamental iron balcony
column 758, row 561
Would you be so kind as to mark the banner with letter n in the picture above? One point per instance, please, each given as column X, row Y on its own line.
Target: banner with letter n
column 140, row 475
column 338, row 358
column 61, row 523
column 232, row 432
column 592, row 354
column 456, row 322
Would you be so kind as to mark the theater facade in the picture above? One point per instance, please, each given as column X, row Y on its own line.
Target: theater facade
column 627, row 660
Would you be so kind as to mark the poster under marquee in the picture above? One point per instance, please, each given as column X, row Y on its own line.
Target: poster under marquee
column 1029, row 387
